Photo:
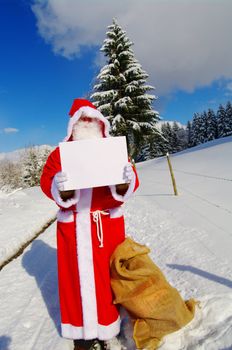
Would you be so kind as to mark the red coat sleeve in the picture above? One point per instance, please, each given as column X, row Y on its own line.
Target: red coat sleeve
column 51, row 167
column 136, row 179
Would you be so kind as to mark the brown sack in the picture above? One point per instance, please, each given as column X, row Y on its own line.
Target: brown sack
column 140, row 287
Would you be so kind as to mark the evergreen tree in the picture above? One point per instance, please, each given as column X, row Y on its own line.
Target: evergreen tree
column 203, row 136
column 229, row 118
column 183, row 138
column 121, row 92
column 222, row 121
column 211, row 125
column 167, row 133
column 189, row 134
column 174, row 138
column 156, row 145
column 178, row 139
column 197, row 134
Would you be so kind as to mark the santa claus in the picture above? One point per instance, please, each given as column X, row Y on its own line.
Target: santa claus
column 90, row 225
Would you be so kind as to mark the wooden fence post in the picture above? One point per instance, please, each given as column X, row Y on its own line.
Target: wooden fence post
column 172, row 175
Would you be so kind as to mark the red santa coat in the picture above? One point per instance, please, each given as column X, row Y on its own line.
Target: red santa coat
column 89, row 228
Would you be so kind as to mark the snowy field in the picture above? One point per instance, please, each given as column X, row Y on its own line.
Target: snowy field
column 190, row 237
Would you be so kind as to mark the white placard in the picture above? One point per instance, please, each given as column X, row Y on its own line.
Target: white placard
column 93, row 162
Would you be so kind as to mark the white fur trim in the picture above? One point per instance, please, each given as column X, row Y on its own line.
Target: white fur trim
column 89, row 112
column 116, row 212
column 104, row 332
column 129, row 192
column 57, row 198
column 110, row 331
column 65, row 216
column 85, row 265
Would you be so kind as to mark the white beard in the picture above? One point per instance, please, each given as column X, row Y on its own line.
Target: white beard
column 84, row 130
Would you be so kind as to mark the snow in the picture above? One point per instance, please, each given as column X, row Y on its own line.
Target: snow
column 146, row 125
column 118, row 118
column 123, row 102
column 125, row 53
column 108, row 41
column 111, row 34
column 190, row 240
column 105, row 94
column 135, row 125
column 146, row 97
column 135, row 69
column 23, row 213
column 106, row 106
column 29, row 307
column 116, row 63
column 130, row 88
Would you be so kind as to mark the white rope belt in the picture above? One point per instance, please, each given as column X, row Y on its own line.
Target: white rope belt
column 97, row 219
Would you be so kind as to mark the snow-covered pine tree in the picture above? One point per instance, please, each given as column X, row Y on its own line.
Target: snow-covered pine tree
column 203, row 136
column 166, row 130
column 178, row 140
column 121, row 92
column 229, row 118
column 222, row 121
column 189, row 135
column 155, row 146
column 211, row 125
column 174, row 137
column 182, row 137
column 197, row 129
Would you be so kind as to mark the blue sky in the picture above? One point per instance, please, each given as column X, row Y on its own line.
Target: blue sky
column 39, row 78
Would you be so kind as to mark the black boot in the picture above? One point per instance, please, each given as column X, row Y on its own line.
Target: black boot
column 92, row 344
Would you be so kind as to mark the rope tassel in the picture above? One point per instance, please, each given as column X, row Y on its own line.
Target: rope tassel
column 97, row 219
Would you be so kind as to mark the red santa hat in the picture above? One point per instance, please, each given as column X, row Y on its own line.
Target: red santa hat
column 81, row 106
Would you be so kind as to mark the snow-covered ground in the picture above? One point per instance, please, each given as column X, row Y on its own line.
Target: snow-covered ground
column 22, row 213
column 190, row 238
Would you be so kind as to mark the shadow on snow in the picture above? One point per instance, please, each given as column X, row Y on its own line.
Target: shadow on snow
column 41, row 263
column 210, row 276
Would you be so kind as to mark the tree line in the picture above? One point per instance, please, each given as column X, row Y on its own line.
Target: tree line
column 204, row 127
column 25, row 171
column 210, row 125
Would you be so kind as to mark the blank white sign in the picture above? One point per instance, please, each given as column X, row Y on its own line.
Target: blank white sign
column 93, row 162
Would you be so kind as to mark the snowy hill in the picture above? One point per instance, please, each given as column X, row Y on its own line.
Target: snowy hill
column 190, row 240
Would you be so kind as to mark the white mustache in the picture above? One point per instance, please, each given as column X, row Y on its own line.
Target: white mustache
column 86, row 130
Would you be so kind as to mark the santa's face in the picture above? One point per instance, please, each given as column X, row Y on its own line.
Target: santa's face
column 87, row 128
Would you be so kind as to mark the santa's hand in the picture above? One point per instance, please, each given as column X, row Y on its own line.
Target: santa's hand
column 128, row 173
column 60, row 179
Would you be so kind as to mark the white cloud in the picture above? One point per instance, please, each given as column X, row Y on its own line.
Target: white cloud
column 10, row 130
column 181, row 44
